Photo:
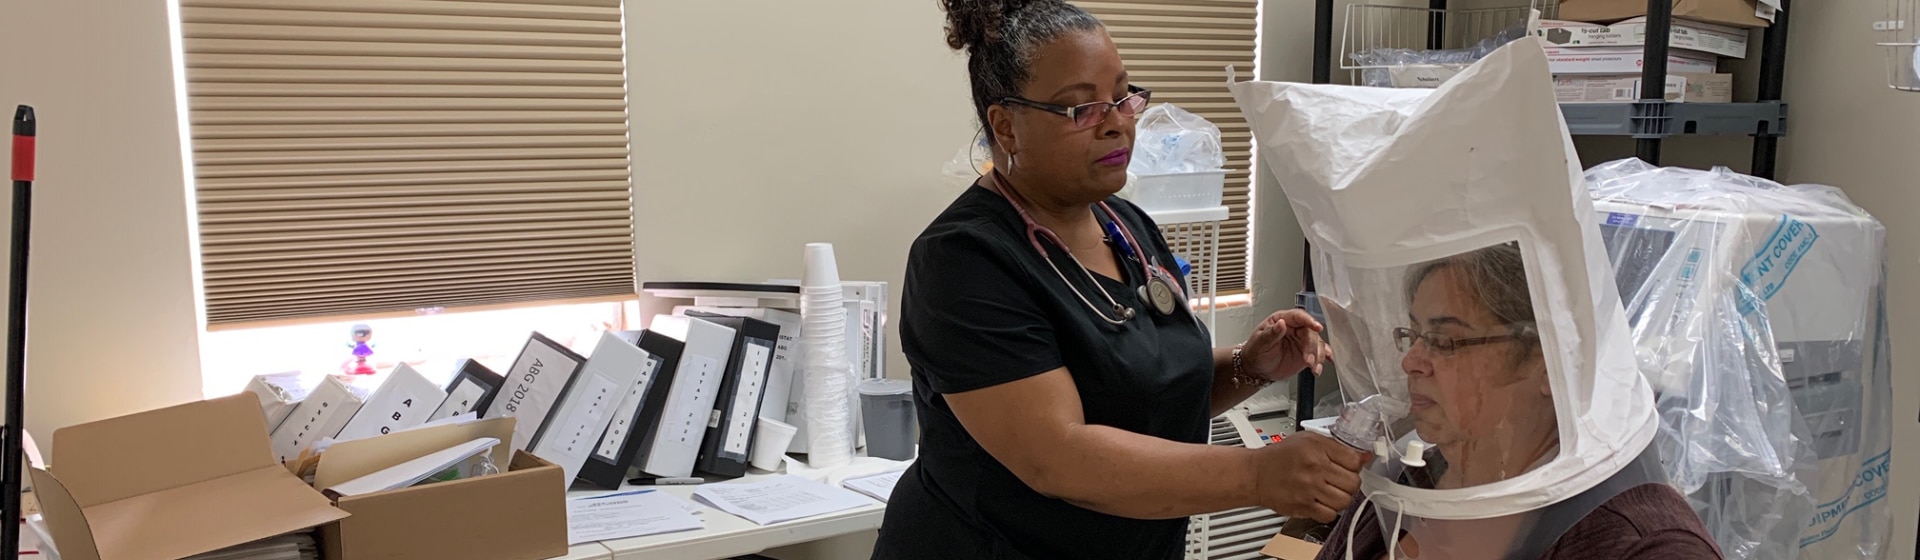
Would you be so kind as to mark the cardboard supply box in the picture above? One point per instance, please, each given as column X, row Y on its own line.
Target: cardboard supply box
column 1289, row 548
column 1681, row 88
column 518, row 514
column 1703, row 37
column 1624, row 60
column 1737, row 13
column 172, row 483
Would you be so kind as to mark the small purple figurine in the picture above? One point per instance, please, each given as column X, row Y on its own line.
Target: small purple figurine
column 361, row 350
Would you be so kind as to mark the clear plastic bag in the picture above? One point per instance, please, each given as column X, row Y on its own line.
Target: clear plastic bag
column 1168, row 139
column 1757, row 311
column 1385, row 67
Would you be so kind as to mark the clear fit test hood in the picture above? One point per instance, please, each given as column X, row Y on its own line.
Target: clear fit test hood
column 1469, row 298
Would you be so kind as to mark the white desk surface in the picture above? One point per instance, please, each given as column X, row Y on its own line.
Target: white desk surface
column 727, row 536
column 588, row 551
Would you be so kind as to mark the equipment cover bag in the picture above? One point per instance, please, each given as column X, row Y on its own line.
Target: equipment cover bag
column 1482, row 343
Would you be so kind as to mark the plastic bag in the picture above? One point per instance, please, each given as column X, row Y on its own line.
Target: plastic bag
column 1757, row 314
column 1426, row 68
column 1168, row 139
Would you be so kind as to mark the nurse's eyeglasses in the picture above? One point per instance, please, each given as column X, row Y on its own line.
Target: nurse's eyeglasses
column 1089, row 115
column 1403, row 338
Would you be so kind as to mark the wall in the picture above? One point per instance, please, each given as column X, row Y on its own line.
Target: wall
column 113, row 318
column 1849, row 130
column 845, row 109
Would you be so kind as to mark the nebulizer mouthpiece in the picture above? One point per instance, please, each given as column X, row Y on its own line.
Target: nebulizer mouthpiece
column 1365, row 423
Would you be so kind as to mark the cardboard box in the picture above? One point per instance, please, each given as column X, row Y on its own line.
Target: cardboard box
column 1737, row 13
column 1288, row 548
column 172, row 483
column 520, row 514
column 1681, row 88
column 1624, row 60
column 1703, row 37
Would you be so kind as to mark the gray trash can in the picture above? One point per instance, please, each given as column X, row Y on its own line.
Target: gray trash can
column 886, row 409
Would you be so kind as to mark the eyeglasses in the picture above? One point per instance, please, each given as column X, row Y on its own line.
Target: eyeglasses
column 1089, row 115
column 1403, row 339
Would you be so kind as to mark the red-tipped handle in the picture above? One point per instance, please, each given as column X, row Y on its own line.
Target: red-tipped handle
column 23, row 133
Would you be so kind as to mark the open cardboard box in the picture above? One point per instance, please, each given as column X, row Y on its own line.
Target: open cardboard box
column 172, row 483
column 1737, row 13
column 518, row 514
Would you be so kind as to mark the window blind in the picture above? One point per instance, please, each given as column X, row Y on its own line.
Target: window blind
column 373, row 156
column 1180, row 49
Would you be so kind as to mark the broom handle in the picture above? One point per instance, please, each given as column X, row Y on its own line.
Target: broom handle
column 11, row 454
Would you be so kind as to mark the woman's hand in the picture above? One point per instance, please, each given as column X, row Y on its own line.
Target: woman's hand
column 1285, row 344
column 1307, row 475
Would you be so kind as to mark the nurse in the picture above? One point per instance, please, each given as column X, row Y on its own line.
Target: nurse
column 1064, row 388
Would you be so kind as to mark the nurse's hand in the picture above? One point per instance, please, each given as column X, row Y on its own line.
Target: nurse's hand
column 1307, row 475
column 1285, row 344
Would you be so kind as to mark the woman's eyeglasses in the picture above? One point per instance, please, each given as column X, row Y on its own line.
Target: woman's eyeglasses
column 1403, row 338
column 1089, row 115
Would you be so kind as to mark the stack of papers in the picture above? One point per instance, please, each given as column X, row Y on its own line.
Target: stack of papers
column 879, row 486
column 628, row 514
column 778, row 499
column 294, row 546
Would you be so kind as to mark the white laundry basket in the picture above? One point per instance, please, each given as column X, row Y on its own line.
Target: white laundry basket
column 1179, row 191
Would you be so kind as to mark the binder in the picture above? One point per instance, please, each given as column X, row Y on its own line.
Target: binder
column 539, row 378
column 638, row 413
column 775, row 405
column 325, row 411
column 736, row 408
column 403, row 401
column 573, row 430
column 671, row 448
column 473, row 388
column 279, row 394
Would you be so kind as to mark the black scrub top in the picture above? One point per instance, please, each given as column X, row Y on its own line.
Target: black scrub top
column 980, row 308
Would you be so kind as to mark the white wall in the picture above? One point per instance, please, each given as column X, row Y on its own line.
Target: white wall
column 769, row 110
column 113, row 318
column 1850, row 131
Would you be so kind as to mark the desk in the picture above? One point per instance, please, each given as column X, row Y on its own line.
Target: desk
column 727, row 536
column 588, row 551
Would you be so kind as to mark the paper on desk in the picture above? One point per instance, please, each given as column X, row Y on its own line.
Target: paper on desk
column 778, row 499
column 628, row 514
column 879, row 486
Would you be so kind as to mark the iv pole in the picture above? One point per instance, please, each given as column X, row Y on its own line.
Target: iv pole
column 12, row 453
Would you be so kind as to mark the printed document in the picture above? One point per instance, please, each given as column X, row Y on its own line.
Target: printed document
column 778, row 499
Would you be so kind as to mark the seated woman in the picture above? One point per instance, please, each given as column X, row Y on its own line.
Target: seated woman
column 1479, row 398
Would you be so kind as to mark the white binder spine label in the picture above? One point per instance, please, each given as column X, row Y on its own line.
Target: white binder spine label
column 321, row 415
column 623, row 415
column 686, row 422
column 405, row 400
column 460, row 401
column 533, row 387
column 752, row 379
column 584, row 420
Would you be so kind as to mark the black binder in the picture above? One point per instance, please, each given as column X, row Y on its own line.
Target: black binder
column 736, row 412
column 638, row 413
column 468, row 377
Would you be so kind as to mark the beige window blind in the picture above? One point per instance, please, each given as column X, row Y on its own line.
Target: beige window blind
column 360, row 157
column 1180, row 49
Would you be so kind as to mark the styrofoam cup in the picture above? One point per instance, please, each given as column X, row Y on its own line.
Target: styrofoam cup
column 821, row 270
column 770, row 444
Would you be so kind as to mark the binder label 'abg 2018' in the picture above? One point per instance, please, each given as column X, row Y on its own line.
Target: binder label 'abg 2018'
column 539, row 377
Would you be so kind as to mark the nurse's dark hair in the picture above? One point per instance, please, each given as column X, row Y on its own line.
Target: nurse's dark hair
column 1001, row 38
column 1497, row 275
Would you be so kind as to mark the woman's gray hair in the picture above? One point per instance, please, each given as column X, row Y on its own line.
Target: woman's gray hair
column 1001, row 38
column 1497, row 275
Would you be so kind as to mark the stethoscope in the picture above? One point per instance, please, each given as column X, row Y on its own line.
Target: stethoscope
column 1161, row 290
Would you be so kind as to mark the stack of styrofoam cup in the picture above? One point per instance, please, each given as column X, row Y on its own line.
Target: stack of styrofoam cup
column 829, row 381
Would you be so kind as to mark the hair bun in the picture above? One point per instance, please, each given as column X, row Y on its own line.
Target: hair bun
column 971, row 23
